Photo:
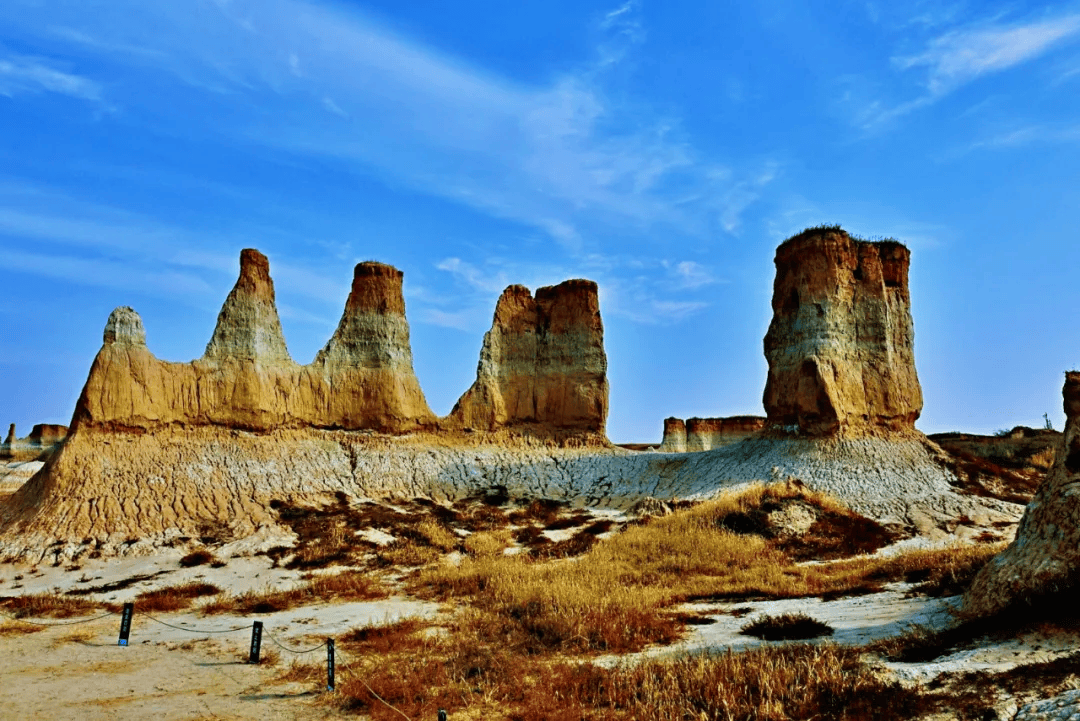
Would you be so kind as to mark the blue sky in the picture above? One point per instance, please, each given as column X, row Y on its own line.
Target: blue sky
column 661, row 149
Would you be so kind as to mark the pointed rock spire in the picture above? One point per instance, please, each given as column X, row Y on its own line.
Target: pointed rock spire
column 248, row 326
column 124, row 327
column 368, row 362
column 372, row 332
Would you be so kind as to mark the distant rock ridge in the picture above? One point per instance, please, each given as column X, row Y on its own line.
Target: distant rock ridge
column 840, row 347
column 542, row 364
column 705, row 434
column 1044, row 558
column 43, row 439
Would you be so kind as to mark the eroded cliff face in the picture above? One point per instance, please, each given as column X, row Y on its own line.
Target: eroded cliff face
column 542, row 363
column 1044, row 558
column 840, row 345
column 674, row 440
column 363, row 379
column 705, row 434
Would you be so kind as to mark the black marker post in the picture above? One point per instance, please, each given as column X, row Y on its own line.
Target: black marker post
column 256, row 642
column 125, row 623
column 329, row 664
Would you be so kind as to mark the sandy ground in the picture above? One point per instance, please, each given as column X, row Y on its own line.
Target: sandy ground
column 78, row 672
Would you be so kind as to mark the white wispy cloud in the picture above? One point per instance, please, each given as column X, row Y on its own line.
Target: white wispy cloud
column 23, row 74
column 644, row 290
column 1024, row 136
column 322, row 79
column 103, row 246
column 961, row 56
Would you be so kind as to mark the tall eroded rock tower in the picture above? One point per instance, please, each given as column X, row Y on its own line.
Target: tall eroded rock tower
column 1044, row 558
column 542, row 363
column 840, row 346
column 369, row 358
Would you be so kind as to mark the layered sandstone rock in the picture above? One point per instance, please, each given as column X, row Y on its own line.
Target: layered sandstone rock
column 362, row 379
column 674, row 440
column 541, row 364
column 367, row 365
column 1044, row 558
column 705, row 434
column 840, row 345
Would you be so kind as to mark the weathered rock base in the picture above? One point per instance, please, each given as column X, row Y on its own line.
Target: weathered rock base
column 113, row 492
column 1044, row 558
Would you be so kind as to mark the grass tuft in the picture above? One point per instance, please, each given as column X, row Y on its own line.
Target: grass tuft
column 786, row 627
column 174, row 598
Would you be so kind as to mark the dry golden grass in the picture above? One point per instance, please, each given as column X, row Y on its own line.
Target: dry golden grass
column 407, row 553
column 477, row 679
column 77, row 635
column 18, row 628
column 613, row 598
column 51, row 605
column 486, row 544
column 437, row 535
column 343, row 586
column 174, row 598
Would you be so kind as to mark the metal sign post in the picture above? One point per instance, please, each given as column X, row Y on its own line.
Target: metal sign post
column 256, row 642
column 329, row 664
column 125, row 623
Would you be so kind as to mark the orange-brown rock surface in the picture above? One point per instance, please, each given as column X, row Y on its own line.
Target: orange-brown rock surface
column 705, row 434
column 674, row 440
column 362, row 379
column 541, row 364
column 840, row 345
column 1044, row 558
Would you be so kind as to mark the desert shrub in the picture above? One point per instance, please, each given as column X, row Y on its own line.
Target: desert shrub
column 51, row 605
column 786, row 627
column 174, row 598
column 197, row 558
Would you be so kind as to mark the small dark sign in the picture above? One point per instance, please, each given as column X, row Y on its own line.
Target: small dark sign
column 125, row 623
column 256, row 642
column 329, row 664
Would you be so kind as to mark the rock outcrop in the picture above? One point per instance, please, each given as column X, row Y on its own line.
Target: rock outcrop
column 362, row 379
column 840, row 345
column 705, row 434
column 542, row 364
column 43, row 439
column 1044, row 558
column 674, row 440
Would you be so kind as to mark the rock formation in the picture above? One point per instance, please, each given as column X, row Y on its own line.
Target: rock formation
column 367, row 365
column 541, row 364
column 674, row 440
column 43, row 438
column 840, row 345
column 9, row 442
column 362, row 379
column 1044, row 558
column 705, row 434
